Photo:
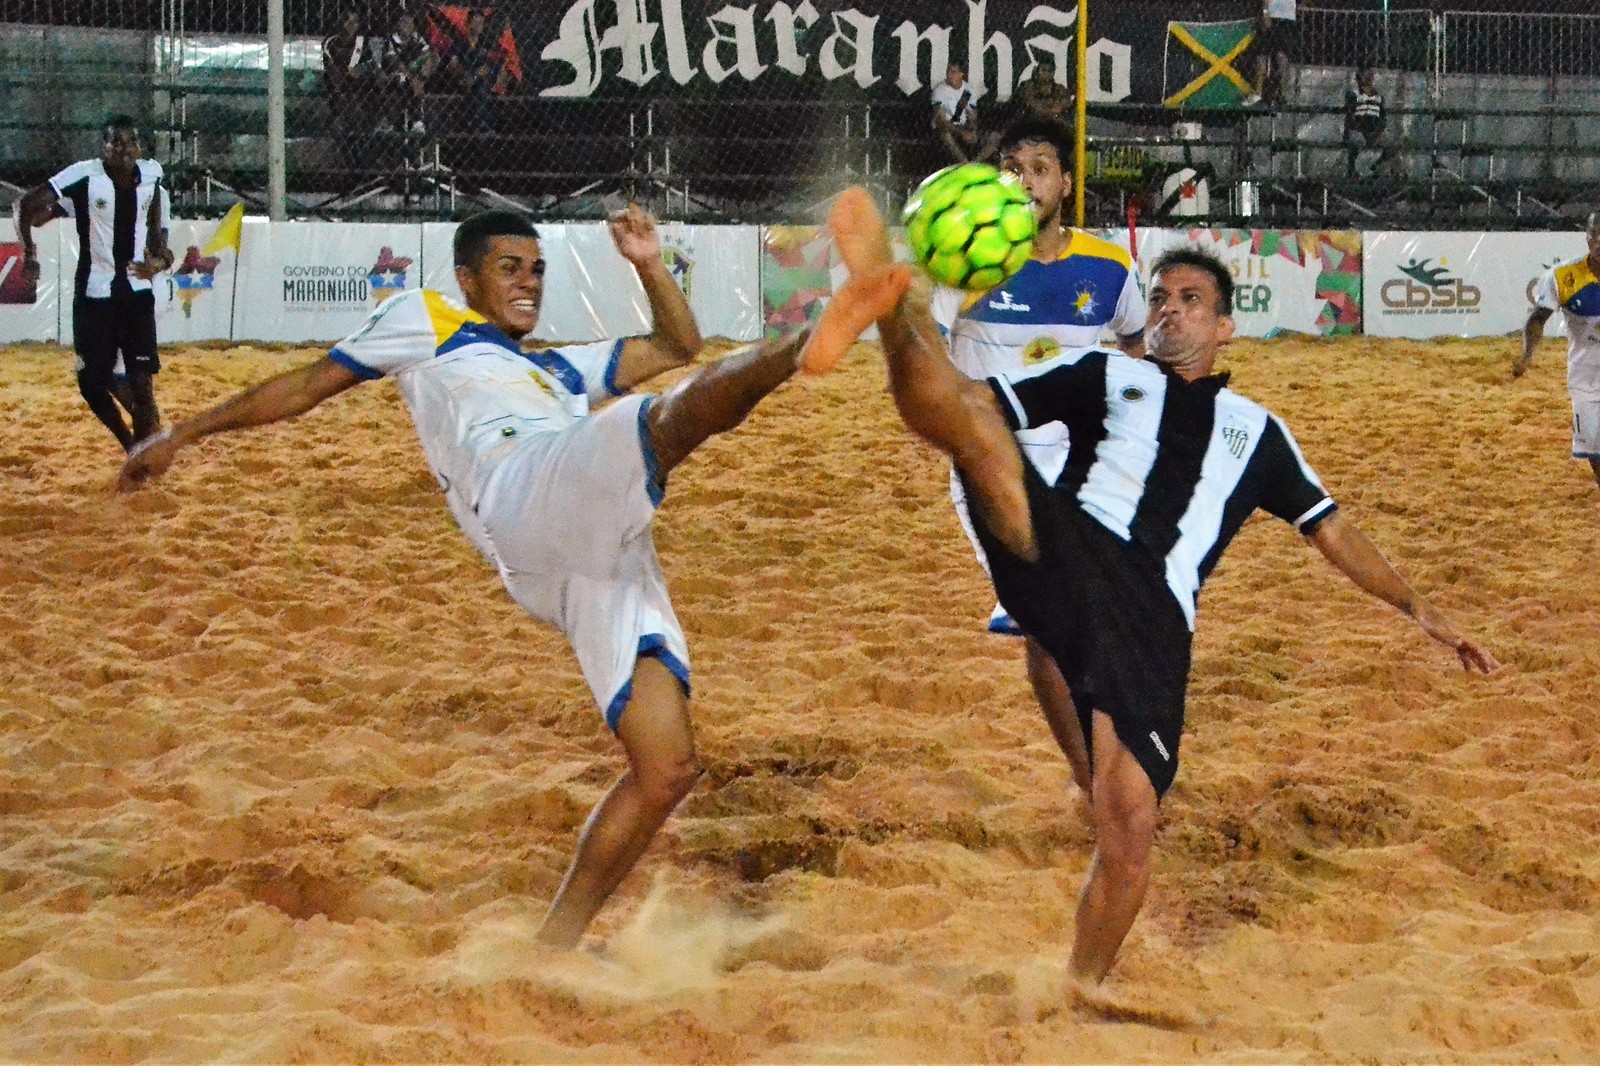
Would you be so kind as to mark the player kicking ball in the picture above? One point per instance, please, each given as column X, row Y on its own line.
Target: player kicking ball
column 560, row 498
column 1103, row 567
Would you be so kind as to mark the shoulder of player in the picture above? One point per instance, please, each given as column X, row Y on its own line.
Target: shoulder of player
column 150, row 170
column 74, row 172
column 1086, row 244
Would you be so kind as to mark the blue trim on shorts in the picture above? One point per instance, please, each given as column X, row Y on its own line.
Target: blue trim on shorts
column 1005, row 626
column 652, row 465
column 651, row 646
column 354, row 365
column 1586, row 455
column 612, row 366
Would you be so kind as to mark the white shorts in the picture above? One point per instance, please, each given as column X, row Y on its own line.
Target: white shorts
column 568, row 517
column 1585, row 426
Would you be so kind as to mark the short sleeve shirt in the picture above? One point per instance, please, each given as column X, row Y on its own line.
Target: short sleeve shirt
column 472, row 391
column 1573, row 289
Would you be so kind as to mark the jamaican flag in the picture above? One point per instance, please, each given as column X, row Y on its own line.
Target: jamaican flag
column 1202, row 63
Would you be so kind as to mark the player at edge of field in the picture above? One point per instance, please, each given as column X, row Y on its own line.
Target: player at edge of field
column 121, row 209
column 1573, row 288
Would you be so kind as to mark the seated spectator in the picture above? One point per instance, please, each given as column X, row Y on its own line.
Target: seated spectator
column 347, row 69
column 1365, row 119
column 475, row 65
column 1041, row 97
column 404, row 69
column 955, row 116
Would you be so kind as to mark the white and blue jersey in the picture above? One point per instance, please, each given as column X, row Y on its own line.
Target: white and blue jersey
column 559, row 499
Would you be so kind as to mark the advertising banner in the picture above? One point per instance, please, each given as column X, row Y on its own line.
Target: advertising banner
column 309, row 281
column 591, row 292
column 1302, row 281
column 194, row 302
column 1422, row 285
column 29, row 311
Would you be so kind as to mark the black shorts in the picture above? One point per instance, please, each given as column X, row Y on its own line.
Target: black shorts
column 1102, row 609
column 1281, row 35
column 124, row 322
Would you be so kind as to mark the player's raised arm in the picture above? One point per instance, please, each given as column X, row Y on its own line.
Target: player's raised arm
column 291, row 393
column 1347, row 547
column 675, row 338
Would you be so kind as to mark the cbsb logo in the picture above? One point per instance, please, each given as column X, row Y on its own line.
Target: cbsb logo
column 1429, row 290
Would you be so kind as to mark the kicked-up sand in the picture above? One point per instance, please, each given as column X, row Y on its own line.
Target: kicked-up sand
column 288, row 777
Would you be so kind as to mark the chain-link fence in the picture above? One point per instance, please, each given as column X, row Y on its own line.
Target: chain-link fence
column 709, row 111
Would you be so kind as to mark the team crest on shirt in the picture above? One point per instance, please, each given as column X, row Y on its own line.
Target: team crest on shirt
column 1132, row 393
column 1085, row 304
column 100, row 203
column 1040, row 350
column 1236, row 437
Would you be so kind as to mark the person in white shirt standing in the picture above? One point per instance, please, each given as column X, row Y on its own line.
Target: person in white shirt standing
column 120, row 206
column 1277, row 45
column 1573, row 288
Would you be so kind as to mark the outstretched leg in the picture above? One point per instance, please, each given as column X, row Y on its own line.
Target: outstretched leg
column 662, row 767
column 1119, row 873
column 716, row 397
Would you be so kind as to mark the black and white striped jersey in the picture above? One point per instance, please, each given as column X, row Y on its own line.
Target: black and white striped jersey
column 1171, row 467
column 111, row 221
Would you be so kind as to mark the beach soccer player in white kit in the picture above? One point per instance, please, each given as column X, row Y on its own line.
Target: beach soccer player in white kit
column 558, row 498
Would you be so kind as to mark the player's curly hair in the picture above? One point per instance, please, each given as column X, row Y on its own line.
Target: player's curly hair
column 1190, row 256
column 1039, row 131
column 472, row 238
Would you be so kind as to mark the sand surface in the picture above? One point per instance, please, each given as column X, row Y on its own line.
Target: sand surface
column 287, row 777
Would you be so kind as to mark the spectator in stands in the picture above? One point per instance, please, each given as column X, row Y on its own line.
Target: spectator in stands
column 404, row 69
column 1365, row 119
column 955, row 116
column 347, row 68
column 1277, row 44
column 1042, row 98
column 475, row 65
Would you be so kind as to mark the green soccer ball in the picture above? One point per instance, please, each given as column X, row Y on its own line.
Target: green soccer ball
column 970, row 226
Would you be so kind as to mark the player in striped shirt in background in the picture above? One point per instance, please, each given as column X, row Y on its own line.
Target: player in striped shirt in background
column 121, row 209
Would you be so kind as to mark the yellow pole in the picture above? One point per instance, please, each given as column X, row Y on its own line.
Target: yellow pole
column 1080, row 151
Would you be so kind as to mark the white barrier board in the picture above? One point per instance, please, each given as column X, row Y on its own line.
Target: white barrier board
column 1422, row 285
column 316, row 282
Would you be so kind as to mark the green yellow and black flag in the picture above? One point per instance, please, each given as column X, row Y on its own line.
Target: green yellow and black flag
column 1202, row 62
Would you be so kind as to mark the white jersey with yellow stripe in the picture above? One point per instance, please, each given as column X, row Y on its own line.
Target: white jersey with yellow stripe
column 473, row 393
column 1574, row 290
column 1044, row 309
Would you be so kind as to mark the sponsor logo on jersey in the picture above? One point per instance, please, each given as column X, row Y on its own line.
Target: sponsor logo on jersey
column 1132, row 393
column 1005, row 303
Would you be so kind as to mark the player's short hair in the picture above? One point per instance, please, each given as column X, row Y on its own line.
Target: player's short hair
column 472, row 238
column 1039, row 131
column 118, row 122
column 1190, row 256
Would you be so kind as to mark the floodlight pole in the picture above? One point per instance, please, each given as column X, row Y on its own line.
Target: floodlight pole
column 1080, row 153
column 276, row 161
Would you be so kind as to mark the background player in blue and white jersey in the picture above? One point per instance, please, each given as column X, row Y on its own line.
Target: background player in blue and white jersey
column 1103, row 565
column 1076, row 290
column 558, row 498
column 121, row 209
column 1574, row 290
